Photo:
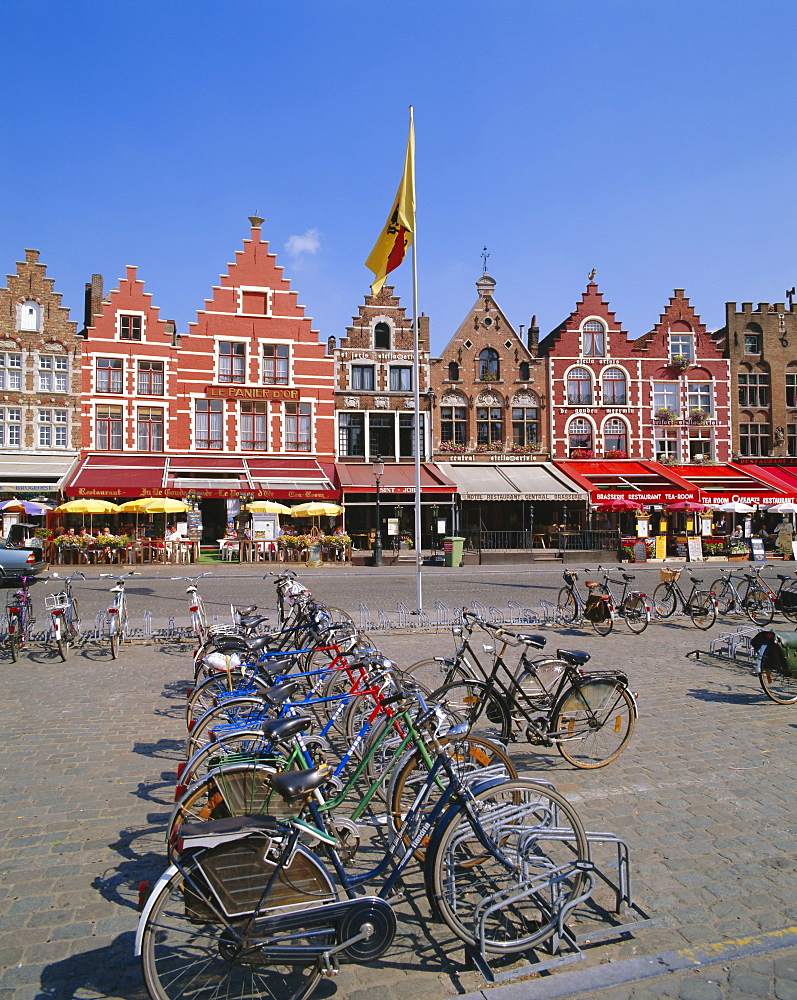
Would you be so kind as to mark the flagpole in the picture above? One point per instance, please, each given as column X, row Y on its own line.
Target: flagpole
column 416, row 399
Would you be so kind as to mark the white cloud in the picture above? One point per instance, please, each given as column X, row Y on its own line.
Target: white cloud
column 308, row 243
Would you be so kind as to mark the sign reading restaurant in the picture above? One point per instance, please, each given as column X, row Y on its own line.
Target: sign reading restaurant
column 224, row 494
column 249, row 392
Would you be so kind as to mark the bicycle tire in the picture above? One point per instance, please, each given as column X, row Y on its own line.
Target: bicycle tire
column 635, row 614
column 61, row 640
column 566, row 606
column 202, row 697
column 245, row 747
column 472, row 703
column 75, row 625
column 776, row 681
column 702, row 610
column 759, row 606
column 540, row 837
column 723, row 594
column 593, row 722
column 788, row 602
column 14, row 636
column 435, row 672
column 187, row 948
column 244, row 712
column 113, row 636
column 474, row 759
column 664, row 600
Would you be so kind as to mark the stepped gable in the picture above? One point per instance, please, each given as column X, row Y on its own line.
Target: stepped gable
column 31, row 282
column 679, row 315
column 128, row 296
column 592, row 304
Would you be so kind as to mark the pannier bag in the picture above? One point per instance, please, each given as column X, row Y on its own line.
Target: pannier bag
column 780, row 652
column 596, row 609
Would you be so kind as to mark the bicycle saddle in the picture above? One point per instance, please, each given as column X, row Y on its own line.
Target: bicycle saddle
column 243, row 612
column 296, row 784
column 280, row 730
column 538, row 641
column 252, row 621
column 280, row 692
column 576, row 657
column 694, row 579
column 784, row 576
column 629, row 576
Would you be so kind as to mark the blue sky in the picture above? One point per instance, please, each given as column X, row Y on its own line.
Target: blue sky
column 652, row 141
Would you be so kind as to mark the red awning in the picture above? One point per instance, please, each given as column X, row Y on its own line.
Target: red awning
column 783, row 475
column 115, row 476
column 720, row 484
column 396, row 479
column 643, row 482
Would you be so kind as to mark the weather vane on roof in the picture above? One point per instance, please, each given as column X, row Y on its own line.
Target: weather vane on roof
column 592, row 274
column 485, row 255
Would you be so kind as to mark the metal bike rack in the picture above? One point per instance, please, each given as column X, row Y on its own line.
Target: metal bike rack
column 736, row 647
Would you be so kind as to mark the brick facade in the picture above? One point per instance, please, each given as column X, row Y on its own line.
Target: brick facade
column 761, row 347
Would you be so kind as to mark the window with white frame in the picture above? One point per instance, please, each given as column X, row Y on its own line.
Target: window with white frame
column 53, row 428
column 362, row 378
column 665, row 397
column 351, row 435
column 525, row 426
column 614, row 387
column 615, row 435
column 489, row 425
column 10, row 426
column 665, row 444
column 254, row 426
column 406, row 432
column 10, row 370
column 593, row 339
column 579, row 387
column 791, row 440
column 232, row 362
column 150, row 378
column 298, row 426
column 208, row 422
column 275, row 364
column 701, row 446
column 53, row 373
column 791, row 387
column 129, row 327
column 682, row 347
column 700, row 397
column 109, row 375
column 149, row 424
column 108, row 428
column 579, row 435
column 400, row 378
column 454, row 424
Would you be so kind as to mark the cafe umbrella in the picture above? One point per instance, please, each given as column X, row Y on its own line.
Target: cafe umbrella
column 17, row 506
column 87, row 505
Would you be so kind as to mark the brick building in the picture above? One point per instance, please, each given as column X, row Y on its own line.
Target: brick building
column 761, row 346
column 40, row 359
column 375, row 414
column 238, row 405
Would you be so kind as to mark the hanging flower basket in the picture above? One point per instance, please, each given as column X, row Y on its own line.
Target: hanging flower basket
column 698, row 416
column 666, row 415
column 615, row 453
column 681, row 363
column 582, row 453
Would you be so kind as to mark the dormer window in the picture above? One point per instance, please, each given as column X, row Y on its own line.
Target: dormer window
column 29, row 316
column 129, row 327
column 594, row 339
column 382, row 337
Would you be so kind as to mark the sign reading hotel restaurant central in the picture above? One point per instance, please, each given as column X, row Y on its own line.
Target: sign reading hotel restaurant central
column 249, row 392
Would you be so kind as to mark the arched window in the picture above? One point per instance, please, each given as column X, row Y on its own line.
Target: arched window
column 579, row 387
column 523, row 371
column 579, row 435
column 453, row 371
column 594, row 339
column 489, row 369
column 614, row 387
column 615, row 435
column 382, row 337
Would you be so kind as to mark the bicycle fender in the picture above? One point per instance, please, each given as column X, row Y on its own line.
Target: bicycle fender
column 150, row 903
column 616, row 676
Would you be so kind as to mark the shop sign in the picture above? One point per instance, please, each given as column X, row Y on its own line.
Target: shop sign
column 249, row 392
column 226, row 494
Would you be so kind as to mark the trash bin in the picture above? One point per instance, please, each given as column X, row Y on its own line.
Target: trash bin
column 452, row 550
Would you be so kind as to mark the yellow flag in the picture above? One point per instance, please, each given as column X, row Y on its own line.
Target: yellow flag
column 396, row 236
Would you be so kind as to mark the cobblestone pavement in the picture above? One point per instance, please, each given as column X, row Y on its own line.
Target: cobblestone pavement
column 704, row 796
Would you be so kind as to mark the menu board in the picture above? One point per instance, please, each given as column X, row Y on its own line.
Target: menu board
column 194, row 518
column 640, row 552
column 757, row 548
column 695, row 549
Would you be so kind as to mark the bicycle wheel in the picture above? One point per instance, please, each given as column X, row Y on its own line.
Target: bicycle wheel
column 635, row 613
column 113, row 636
column 61, row 641
column 759, row 606
column 722, row 592
column 593, row 722
column 475, row 705
column 788, row 602
column 244, row 713
column 603, row 626
column 774, row 677
column 203, row 697
column 246, row 747
column 74, row 625
column 664, row 602
column 437, row 671
column 15, row 636
column 360, row 707
column 702, row 610
column 474, row 759
column 189, row 949
column 513, row 900
column 566, row 606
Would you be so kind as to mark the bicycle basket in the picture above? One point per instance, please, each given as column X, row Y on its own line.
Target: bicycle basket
column 668, row 575
column 53, row 601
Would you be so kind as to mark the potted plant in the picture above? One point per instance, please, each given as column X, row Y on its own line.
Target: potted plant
column 615, row 453
column 698, row 416
column 680, row 362
column 665, row 415
column 582, row 453
column 43, row 533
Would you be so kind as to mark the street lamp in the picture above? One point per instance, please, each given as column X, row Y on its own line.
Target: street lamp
column 531, row 529
column 194, row 499
column 378, row 469
column 435, row 513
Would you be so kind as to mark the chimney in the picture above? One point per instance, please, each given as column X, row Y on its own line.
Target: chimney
column 534, row 337
column 92, row 302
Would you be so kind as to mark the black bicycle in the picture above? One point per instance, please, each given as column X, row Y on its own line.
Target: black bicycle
column 698, row 604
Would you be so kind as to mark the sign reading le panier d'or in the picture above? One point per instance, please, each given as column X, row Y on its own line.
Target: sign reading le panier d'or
column 249, row 392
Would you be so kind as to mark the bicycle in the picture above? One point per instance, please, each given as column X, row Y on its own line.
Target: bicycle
column 589, row 718
column 196, row 606
column 19, row 610
column 633, row 606
column 65, row 614
column 573, row 609
column 758, row 601
column 117, row 621
column 778, row 678
column 698, row 604
column 246, row 908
